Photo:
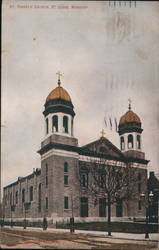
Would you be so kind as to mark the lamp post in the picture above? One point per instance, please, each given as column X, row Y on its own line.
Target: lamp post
column 44, row 223
column 147, row 199
column 11, row 223
column 24, row 217
column 109, row 215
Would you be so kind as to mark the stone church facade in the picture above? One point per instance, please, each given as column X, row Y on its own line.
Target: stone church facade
column 58, row 189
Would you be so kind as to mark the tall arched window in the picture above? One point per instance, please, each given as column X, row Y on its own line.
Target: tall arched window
column 47, row 126
column 130, row 141
column 39, row 198
column 65, row 173
column 46, row 169
column 46, row 177
column 122, row 143
column 10, row 198
column 138, row 142
column 46, row 181
column 31, row 193
column 55, row 123
column 65, row 167
column 23, row 195
column 16, row 197
column 5, row 200
column 65, row 124
column 46, row 202
column 72, row 126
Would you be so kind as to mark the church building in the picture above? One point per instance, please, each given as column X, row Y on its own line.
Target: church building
column 58, row 189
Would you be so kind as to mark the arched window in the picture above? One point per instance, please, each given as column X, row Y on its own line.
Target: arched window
column 46, row 177
column 65, row 173
column 66, row 204
column 130, row 141
column 16, row 197
column 39, row 198
column 65, row 124
column 46, row 202
column 138, row 142
column 46, row 169
column 23, row 195
column 55, row 123
column 72, row 126
column 122, row 143
column 47, row 126
column 10, row 198
column 65, row 167
column 31, row 193
column 66, row 180
column 46, row 181
column 5, row 200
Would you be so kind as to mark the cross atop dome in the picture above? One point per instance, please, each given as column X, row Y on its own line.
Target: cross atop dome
column 59, row 75
column 130, row 101
column 103, row 133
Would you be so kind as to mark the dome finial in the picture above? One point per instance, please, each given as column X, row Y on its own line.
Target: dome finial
column 59, row 75
column 130, row 101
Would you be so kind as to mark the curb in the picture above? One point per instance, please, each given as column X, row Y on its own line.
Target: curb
column 116, row 237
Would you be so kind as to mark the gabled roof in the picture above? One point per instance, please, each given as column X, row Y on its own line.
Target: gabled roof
column 105, row 147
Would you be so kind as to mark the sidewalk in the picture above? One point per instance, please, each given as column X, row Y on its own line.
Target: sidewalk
column 115, row 235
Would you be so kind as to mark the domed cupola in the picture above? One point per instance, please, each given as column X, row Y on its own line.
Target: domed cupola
column 59, row 111
column 130, row 131
column 129, row 122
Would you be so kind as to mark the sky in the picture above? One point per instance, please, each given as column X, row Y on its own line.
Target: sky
column 106, row 55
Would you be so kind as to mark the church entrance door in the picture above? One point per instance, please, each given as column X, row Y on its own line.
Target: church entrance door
column 119, row 208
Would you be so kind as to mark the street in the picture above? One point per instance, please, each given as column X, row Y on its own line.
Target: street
column 27, row 239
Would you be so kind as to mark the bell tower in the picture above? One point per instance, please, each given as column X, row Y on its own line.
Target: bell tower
column 130, row 131
column 59, row 153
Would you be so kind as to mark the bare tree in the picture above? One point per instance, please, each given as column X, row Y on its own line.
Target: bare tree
column 111, row 180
